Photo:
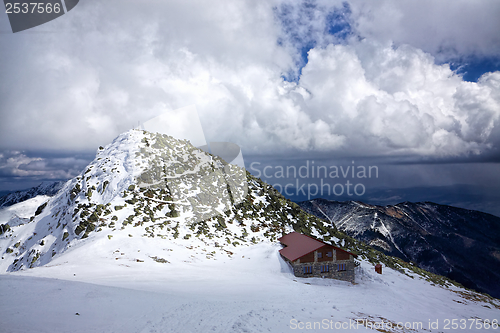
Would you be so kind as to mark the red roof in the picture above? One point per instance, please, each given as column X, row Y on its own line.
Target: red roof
column 298, row 245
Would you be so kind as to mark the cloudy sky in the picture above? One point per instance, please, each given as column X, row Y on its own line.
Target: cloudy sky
column 411, row 87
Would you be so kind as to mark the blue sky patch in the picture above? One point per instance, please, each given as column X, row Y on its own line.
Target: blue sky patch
column 472, row 68
column 338, row 22
column 307, row 25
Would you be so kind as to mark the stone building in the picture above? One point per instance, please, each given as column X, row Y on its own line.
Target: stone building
column 310, row 257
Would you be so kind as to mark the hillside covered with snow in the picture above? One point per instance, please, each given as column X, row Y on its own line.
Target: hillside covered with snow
column 156, row 235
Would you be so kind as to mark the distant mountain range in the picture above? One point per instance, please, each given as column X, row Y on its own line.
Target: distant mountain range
column 49, row 189
column 474, row 197
column 461, row 244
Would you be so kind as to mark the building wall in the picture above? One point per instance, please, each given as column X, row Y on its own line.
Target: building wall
column 342, row 255
column 333, row 273
column 310, row 257
column 325, row 250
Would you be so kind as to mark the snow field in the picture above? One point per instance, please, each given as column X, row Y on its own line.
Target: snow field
column 251, row 291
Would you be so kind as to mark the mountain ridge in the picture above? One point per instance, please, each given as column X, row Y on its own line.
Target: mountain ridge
column 152, row 186
column 48, row 189
column 455, row 242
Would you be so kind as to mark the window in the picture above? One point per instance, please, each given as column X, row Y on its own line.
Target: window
column 325, row 269
column 307, row 269
column 329, row 254
column 341, row 267
column 320, row 255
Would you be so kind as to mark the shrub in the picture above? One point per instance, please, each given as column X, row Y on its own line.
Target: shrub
column 160, row 260
column 4, row 228
column 40, row 208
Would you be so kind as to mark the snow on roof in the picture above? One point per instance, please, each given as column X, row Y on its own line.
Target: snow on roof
column 298, row 245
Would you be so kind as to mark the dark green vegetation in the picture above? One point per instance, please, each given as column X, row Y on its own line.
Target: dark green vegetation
column 39, row 210
column 4, row 228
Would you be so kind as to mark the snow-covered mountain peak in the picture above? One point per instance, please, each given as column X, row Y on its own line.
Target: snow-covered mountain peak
column 147, row 185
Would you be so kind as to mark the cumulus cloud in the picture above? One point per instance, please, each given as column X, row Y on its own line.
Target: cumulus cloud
column 113, row 64
column 448, row 28
column 11, row 161
column 16, row 165
column 397, row 100
column 109, row 65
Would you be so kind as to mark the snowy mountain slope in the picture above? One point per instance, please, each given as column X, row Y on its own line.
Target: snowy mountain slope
column 155, row 214
column 152, row 186
column 253, row 291
column 461, row 244
column 47, row 189
column 20, row 213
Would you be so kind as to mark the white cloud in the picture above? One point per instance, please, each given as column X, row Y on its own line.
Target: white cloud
column 9, row 165
column 15, row 164
column 117, row 63
column 448, row 27
column 396, row 100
